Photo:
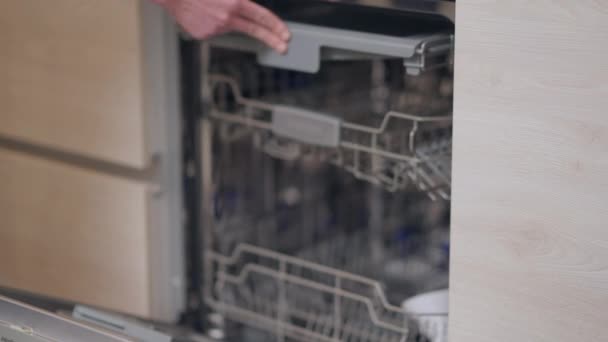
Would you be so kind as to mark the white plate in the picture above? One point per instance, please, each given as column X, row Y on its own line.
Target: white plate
column 430, row 311
column 429, row 303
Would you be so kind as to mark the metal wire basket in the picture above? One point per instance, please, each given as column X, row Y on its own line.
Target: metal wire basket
column 350, row 125
column 304, row 300
column 322, row 291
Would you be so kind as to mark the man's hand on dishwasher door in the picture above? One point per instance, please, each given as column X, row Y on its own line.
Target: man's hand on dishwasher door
column 206, row 18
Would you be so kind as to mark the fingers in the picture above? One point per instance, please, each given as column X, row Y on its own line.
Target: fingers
column 264, row 17
column 206, row 18
column 195, row 17
column 259, row 32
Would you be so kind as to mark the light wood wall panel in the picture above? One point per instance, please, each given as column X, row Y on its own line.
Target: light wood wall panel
column 73, row 234
column 71, row 77
column 530, row 215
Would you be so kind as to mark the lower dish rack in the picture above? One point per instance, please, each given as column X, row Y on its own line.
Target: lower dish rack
column 323, row 285
column 305, row 301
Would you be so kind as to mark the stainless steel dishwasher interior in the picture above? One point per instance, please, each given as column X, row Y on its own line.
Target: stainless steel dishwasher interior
column 326, row 197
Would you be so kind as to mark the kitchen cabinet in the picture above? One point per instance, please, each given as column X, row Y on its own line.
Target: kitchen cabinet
column 76, row 77
column 529, row 238
column 74, row 234
column 90, row 157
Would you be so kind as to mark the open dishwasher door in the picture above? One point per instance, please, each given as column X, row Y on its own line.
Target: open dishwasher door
column 20, row 322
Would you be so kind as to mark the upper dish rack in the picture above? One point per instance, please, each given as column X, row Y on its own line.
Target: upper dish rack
column 330, row 119
column 394, row 151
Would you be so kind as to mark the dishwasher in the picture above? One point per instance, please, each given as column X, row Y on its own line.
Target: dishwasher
column 325, row 175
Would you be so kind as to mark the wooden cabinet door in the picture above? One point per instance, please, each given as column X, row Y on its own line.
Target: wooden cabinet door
column 530, row 172
column 72, row 77
column 73, row 234
column 90, row 157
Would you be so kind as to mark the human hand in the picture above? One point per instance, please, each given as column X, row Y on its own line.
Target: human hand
column 206, row 18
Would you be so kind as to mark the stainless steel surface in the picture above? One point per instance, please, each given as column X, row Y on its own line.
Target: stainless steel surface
column 24, row 323
column 121, row 324
column 138, row 329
